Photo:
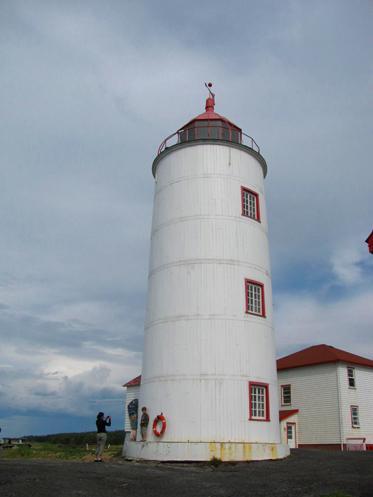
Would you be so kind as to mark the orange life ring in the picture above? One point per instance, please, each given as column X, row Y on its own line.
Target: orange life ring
column 157, row 419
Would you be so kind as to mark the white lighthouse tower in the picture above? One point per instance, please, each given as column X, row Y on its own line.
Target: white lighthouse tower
column 209, row 369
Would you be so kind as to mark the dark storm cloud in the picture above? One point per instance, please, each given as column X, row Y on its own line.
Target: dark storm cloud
column 88, row 91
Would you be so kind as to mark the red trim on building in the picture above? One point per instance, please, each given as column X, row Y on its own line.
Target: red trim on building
column 286, row 414
column 134, row 382
column 369, row 241
column 267, row 406
column 320, row 354
column 254, row 282
column 333, row 447
column 211, row 115
column 257, row 206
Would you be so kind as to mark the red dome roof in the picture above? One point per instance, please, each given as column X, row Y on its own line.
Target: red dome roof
column 210, row 114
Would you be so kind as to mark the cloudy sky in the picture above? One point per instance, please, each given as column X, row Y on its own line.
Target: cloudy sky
column 88, row 90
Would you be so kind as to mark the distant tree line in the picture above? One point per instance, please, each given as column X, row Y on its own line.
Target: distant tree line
column 77, row 439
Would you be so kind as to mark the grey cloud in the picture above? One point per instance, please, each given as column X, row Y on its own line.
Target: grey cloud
column 89, row 90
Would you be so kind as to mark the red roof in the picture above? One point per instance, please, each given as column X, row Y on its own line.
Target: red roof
column 320, row 354
column 134, row 382
column 286, row 414
column 210, row 115
column 369, row 241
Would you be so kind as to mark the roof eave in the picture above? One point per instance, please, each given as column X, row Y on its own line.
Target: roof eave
column 334, row 361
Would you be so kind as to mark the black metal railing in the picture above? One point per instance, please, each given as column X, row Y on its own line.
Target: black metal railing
column 209, row 132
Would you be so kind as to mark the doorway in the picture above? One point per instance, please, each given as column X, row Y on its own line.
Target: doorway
column 291, row 434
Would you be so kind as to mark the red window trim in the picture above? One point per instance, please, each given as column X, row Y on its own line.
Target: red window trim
column 256, row 195
column 267, row 413
column 254, row 282
column 352, row 424
column 282, row 397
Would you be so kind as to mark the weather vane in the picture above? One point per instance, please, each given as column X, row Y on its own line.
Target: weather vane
column 208, row 86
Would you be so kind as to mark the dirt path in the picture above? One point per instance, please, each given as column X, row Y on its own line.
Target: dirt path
column 305, row 474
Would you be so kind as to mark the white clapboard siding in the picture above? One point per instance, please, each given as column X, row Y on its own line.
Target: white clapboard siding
column 314, row 392
column 201, row 347
column 361, row 396
column 132, row 393
column 283, row 429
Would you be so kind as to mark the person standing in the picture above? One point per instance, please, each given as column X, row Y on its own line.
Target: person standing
column 144, row 424
column 101, row 423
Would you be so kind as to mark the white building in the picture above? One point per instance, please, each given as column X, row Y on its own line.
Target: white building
column 209, row 368
column 326, row 399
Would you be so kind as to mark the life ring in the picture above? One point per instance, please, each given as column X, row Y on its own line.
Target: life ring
column 160, row 418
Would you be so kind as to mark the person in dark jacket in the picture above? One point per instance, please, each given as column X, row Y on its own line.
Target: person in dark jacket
column 144, row 424
column 101, row 423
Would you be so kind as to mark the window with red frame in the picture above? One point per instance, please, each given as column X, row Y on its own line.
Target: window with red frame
column 258, row 401
column 255, row 298
column 250, row 204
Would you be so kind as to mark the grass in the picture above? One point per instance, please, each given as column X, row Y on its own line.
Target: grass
column 59, row 451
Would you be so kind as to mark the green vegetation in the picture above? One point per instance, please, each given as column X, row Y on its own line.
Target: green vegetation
column 77, row 439
column 65, row 446
column 46, row 450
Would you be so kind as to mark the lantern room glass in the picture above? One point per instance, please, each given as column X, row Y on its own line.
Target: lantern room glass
column 209, row 130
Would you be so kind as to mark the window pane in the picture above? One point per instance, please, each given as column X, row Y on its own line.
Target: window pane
column 191, row 134
column 258, row 401
column 254, row 299
column 286, row 394
column 234, row 135
column 214, row 132
column 249, row 204
column 355, row 416
column 351, row 377
column 202, row 132
column 289, row 432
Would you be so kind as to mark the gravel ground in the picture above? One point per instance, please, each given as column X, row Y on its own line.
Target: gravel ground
column 306, row 473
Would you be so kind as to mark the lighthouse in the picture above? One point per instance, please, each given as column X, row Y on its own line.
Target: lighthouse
column 209, row 379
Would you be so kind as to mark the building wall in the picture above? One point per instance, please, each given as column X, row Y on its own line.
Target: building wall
column 201, row 347
column 290, row 419
column 361, row 396
column 132, row 393
column 314, row 393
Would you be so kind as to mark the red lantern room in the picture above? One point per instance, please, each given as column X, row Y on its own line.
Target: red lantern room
column 210, row 126
column 369, row 241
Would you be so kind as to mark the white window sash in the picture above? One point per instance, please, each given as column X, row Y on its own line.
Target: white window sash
column 258, row 402
column 255, row 299
column 250, row 204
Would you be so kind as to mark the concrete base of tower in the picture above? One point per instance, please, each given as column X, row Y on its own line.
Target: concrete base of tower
column 203, row 451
